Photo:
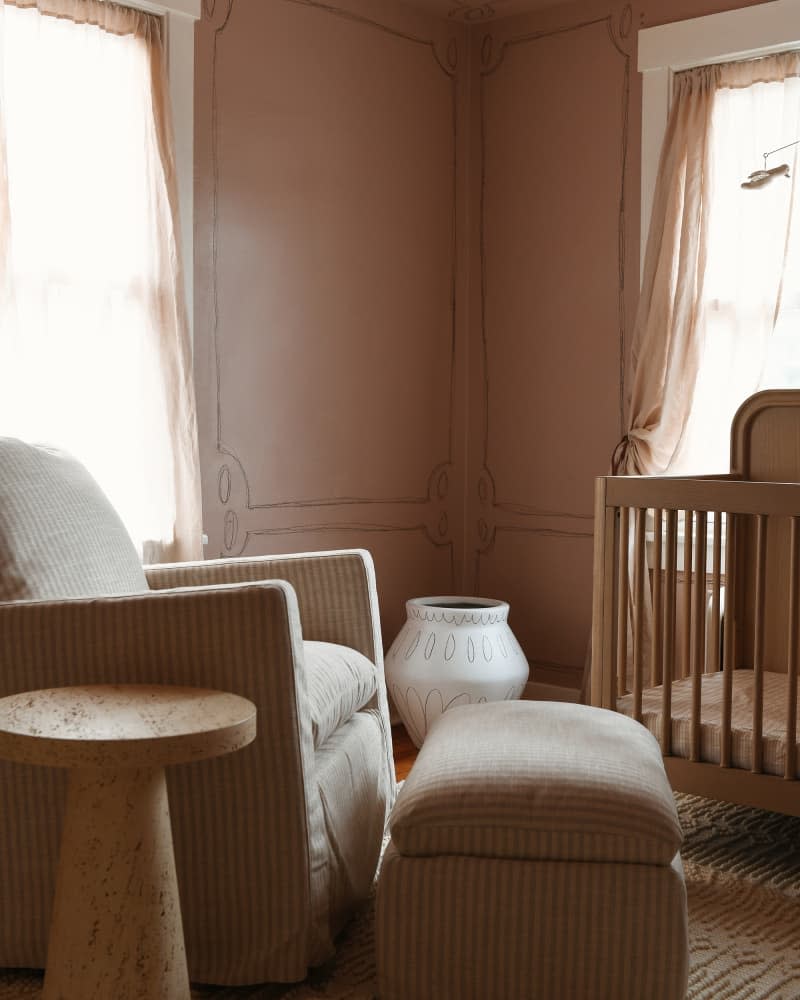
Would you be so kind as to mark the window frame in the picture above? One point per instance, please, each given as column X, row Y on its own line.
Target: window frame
column 664, row 50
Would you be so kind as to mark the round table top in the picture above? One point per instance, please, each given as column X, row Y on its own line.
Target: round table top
column 123, row 725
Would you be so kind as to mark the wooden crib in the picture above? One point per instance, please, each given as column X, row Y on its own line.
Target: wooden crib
column 697, row 611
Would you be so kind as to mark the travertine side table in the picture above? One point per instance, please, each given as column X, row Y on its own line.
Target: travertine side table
column 116, row 931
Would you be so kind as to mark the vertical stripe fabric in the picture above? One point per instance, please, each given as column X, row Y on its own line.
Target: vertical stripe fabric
column 59, row 535
column 534, row 854
column 257, row 834
column 476, row 927
column 336, row 594
column 345, row 616
column 775, row 698
column 355, row 793
column 545, row 780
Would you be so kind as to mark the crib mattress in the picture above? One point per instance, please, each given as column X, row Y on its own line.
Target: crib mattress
column 774, row 724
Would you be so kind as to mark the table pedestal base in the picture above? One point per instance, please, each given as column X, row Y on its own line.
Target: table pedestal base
column 116, row 931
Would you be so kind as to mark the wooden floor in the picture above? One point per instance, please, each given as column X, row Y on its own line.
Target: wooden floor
column 405, row 753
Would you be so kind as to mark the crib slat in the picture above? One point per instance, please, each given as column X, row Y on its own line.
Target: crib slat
column 602, row 679
column 670, row 594
column 638, row 611
column 790, row 772
column 686, row 637
column 758, row 644
column 656, row 657
column 728, row 638
column 622, row 603
column 698, row 631
column 712, row 663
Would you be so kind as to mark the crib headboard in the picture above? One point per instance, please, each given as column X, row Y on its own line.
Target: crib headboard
column 765, row 447
column 765, row 437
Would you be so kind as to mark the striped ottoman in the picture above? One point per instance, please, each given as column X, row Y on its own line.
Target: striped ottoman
column 534, row 853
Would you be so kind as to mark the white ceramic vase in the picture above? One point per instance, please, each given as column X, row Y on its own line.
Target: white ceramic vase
column 452, row 651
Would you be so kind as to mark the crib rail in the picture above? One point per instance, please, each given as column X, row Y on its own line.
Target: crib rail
column 696, row 579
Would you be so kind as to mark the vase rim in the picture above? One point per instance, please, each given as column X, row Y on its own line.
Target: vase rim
column 450, row 602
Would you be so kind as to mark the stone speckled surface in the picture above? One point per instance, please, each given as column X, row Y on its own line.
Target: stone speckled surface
column 123, row 725
column 116, row 932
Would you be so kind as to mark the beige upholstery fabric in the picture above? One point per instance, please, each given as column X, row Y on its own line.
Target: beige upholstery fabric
column 347, row 615
column 336, row 598
column 539, row 780
column 533, row 854
column 339, row 681
column 774, row 728
column 59, row 535
column 356, row 793
column 478, row 928
column 257, row 853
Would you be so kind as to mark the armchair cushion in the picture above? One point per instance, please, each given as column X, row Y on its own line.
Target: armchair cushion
column 339, row 681
column 59, row 535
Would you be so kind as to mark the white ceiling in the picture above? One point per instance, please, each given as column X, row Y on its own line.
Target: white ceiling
column 472, row 10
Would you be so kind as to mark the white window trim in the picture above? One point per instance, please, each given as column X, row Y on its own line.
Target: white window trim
column 179, row 18
column 701, row 41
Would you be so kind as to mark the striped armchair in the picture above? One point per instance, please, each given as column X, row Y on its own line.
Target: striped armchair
column 274, row 845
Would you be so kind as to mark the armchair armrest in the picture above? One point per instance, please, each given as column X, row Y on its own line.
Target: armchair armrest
column 336, row 595
column 195, row 636
column 243, row 638
column 336, row 591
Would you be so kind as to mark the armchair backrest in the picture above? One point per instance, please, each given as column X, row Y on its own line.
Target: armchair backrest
column 59, row 535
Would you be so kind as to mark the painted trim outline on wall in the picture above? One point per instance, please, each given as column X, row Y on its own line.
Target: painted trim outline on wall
column 243, row 516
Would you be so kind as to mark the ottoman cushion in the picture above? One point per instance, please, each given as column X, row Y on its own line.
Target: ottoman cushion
column 538, row 780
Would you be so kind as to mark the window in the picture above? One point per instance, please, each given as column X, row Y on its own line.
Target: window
column 701, row 41
column 93, row 331
column 752, row 243
column 752, row 249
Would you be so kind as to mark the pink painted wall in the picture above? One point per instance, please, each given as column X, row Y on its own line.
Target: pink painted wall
column 555, row 105
column 549, row 315
column 416, row 276
column 329, row 330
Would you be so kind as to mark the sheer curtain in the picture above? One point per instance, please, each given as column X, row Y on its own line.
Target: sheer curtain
column 94, row 351
column 716, row 261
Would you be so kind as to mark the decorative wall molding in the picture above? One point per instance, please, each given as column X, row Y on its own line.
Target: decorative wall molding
column 506, row 514
column 470, row 12
column 245, row 517
column 217, row 13
column 243, row 520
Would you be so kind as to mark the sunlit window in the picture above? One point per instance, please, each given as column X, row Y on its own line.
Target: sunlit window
column 749, row 232
column 89, row 291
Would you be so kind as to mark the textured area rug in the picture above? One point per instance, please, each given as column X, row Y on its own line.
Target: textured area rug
column 743, row 880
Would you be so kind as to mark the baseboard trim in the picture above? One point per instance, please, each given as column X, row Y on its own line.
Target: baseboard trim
column 536, row 691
